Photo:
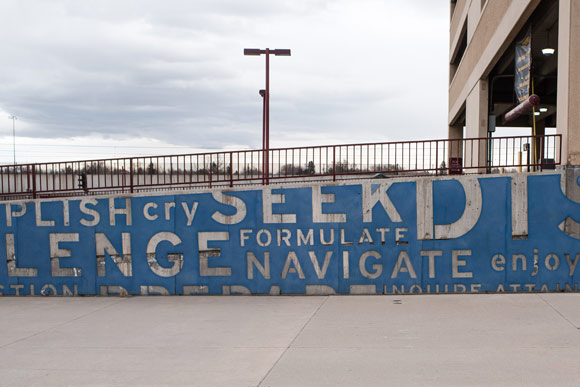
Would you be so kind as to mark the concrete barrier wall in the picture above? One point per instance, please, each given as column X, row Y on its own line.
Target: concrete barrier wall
column 506, row 233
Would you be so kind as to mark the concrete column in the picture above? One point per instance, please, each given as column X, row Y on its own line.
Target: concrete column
column 568, row 120
column 476, row 109
column 455, row 147
column 537, row 148
column 455, row 132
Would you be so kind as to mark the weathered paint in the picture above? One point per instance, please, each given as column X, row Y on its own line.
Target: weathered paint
column 502, row 233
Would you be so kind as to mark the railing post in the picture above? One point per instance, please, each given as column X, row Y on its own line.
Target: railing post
column 560, row 150
column 231, row 169
column 210, row 171
column 28, row 178
column 488, row 153
column 334, row 163
column 33, row 181
column 131, row 175
column 263, row 165
column 267, row 166
column 541, row 152
column 436, row 158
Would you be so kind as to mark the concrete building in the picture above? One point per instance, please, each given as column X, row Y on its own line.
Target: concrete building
column 483, row 34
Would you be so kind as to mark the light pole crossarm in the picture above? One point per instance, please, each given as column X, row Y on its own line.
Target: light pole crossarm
column 277, row 51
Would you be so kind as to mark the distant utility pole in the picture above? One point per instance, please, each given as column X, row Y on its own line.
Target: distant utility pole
column 13, row 118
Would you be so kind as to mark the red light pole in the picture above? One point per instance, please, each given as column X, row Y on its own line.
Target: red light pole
column 266, row 106
column 263, row 95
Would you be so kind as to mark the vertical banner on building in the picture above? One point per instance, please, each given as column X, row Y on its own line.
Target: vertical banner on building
column 523, row 66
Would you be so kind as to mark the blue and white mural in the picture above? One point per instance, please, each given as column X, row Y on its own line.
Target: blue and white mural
column 505, row 233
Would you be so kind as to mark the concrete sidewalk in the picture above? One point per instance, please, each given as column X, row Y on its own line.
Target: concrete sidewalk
column 436, row 340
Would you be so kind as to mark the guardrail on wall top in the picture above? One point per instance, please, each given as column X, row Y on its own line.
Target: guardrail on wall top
column 327, row 162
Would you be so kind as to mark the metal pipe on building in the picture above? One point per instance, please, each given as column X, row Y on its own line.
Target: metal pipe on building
column 533, row 100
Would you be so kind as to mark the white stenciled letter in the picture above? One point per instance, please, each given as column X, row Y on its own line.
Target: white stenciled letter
column 403, row 265
column 456, row 263
column 431, row 254
column 39, row 221
column 120, row 211
column 13, row 270
column 320, row 272
column 292, row 259
column 189, row 213
column 424, row 193
column 103, row 245
column 252, row 261
column 229, row 200
column 147, row 214
column 519, row 194
column 268, row 198
column 56, row 253
column 377, row 267
column 175, row 259
column 370, row 198
column 10, row 213
column 317, row 215
column 89, row 211
column 205, row 252
column 469, row 218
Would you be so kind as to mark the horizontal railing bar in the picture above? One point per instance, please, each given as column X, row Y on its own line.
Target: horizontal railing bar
column 281, row 149
column 180, row 171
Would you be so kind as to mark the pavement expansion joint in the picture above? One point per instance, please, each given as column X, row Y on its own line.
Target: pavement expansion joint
column 558, row 312
column 293, row 340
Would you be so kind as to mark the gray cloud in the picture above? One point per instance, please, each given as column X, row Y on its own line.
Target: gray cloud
column 174, row 70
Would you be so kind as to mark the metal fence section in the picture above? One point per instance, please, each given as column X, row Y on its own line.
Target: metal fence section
column 329, row 162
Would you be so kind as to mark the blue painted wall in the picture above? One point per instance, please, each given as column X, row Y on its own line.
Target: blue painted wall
column 320, row 244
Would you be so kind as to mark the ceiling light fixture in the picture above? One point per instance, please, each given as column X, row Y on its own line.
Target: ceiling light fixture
column 547, row 51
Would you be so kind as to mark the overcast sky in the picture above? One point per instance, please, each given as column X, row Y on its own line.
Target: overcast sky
column 90, row 79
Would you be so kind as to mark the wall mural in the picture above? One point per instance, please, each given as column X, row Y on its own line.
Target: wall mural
column 505, row 233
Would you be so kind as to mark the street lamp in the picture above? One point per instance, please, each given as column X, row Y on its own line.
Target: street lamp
column 13, row 118
column 266, row 108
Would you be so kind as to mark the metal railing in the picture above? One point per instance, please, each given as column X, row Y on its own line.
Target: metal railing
column 329, row 162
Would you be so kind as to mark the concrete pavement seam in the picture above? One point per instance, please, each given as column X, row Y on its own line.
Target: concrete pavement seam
column 557, row 311
column 61, row 324
column 293, row 340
